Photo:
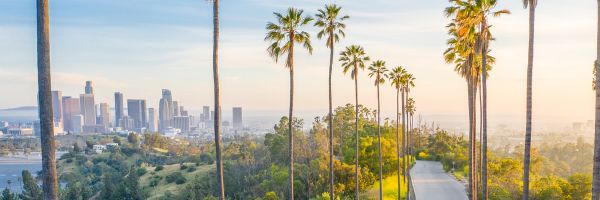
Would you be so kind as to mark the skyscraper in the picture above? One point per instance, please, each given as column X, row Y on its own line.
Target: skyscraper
column 70, row 107
column 136, row 110
column 77, row 123
column 57, row 108
column 165, row 110
column 182, row 123
column 152, row 121
column 118, row 107
column 205, row 113
column 176, row 109
column 88, row 109
column 89, row 89
column 104, row 115
column 237, row 118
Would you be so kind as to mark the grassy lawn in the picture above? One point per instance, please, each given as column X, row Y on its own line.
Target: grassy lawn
column 163, row 187
column 390, row 189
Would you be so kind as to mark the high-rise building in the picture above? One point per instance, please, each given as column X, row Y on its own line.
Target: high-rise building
column 136, row 110
column 70, row 107
column 205, row 113
column 57, row 107
column 126, row 123
column 237, row 118
column 89, row 89
column 118, row 108
column 77, row 123
column 165, row 110
column 88, row 109
column 176, row 109
column 104, row 115
column 152, row 121
column 182, row 123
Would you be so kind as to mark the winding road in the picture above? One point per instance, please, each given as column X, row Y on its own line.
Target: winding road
column 431, row 182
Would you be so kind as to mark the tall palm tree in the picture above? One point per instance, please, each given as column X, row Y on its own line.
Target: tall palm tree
column 379, row 72
column 217, row 116
column 481, row 11
column 527, row 154
column 408, row 83
column 462, row 53
column 396, row 77
column 50, row 181
column 353, row 59
column 283, row 34
column 596, row 83
column 331, row 25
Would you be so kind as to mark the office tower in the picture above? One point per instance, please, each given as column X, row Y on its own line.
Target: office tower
column 70, row 107
column 136, row 110
column 57, row 107
column 88, row 109
column 77, row 122
column 89, row 89
column 182, row 123
column 118, row 108
column 175, row 109
column 237, row 118
column 104, row 115
column 152, row 121
column 165, row 110
column 126, row 123
column 205, row 113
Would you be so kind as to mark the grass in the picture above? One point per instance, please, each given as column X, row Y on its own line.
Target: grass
column 163, row 187
column 390, row 189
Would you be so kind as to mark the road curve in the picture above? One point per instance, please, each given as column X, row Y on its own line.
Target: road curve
column 431, row 182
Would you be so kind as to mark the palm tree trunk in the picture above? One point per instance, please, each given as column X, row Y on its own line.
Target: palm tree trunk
column 527, row 153
column 50, row 181
column 398, row 139
column 470, row 173
column 331, row 122
column 356, row 128
column 217, row 100
column 291, row 121
column 404, row 161
column 406, row 134
column 484, row 161
column 596, row 173
column 379, row 144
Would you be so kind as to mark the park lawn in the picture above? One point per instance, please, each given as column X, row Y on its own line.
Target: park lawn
column 163, row 187
column 390, row 189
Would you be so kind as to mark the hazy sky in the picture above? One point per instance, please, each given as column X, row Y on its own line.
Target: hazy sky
column 139, row 47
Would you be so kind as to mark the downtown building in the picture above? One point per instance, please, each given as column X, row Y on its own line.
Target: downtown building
column 136, row 110
column 118, row 108
column 70, row 108
column 237, row 118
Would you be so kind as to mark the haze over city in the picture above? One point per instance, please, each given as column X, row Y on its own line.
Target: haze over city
column 139, row 48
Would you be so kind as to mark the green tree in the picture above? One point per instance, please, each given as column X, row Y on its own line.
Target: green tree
column 7, row 195
column 353, row 59
column 330, row 23
column 49, row 178
column 283, row 34
column 379, row 73
column 31, row 191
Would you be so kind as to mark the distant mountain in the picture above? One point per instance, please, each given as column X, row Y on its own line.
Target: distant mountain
column 23, row 108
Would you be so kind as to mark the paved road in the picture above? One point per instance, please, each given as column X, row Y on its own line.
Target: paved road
column 431, row 182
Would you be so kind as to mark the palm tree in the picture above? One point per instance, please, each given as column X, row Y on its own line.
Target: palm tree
column 397, row 80
column 217, row 116
column 49, row 179
column 527, row 154
column 331, row 26
column 378, row 71
column 482, row 10
column 408, row 83
column 596, row 172
column 283, row 34
column 353, row 59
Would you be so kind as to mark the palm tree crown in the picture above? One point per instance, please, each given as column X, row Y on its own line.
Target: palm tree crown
column 378, row 71
column 331, row 24
column 396, row 76
column 353, row 59
column 532, row 3
column 285, row 32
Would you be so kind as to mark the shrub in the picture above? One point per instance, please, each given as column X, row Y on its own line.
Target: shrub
column 158, row 168
column 176, row 177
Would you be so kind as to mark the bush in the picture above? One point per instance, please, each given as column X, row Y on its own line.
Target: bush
column 176, row 177
column 158, row 168
column 141, row 171
column 191, row 169
column 182, row 167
